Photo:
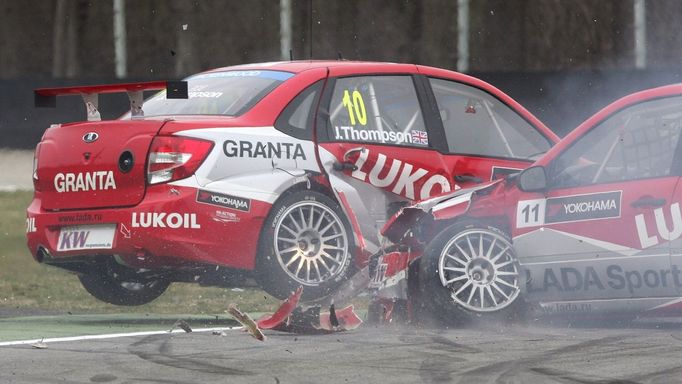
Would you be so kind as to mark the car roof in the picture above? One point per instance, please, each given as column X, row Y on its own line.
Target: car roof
column 346, row 66
column 297, row 66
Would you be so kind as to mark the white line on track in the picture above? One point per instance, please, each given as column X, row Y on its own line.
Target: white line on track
column 110, row 336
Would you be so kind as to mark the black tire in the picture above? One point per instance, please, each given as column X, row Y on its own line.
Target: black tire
column 122, row 288
column 299, row 256
column 460, row 282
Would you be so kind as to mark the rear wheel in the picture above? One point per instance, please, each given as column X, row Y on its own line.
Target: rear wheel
column 121, row 287
column 306, row 242
column 469, row 271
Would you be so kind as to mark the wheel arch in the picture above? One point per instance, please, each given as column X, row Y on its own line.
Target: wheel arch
column 310, row 184
column 499, row 223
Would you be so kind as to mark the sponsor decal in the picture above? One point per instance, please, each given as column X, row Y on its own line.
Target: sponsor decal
column 226, row 217
column 267, row 150
column 31, row 225
column 420, row 137
column 350, row 133
column 570, row 279
column 204, row 95
column 663, row 231
column 583, row 207
column 401, row 178
column 86, row 237
column 567, row 209
column 274, row 75
column 559, row 308
column 223, row 200
column 73, row 240
column 230, row 74
column 124, row 231
column 84, row 181
column 80, row 218
column 165, row 220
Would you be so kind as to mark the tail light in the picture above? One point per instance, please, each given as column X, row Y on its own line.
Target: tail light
column 36, row 153
column 175, row 157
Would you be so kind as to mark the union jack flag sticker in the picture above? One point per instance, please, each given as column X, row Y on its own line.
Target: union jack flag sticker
column 420, row 137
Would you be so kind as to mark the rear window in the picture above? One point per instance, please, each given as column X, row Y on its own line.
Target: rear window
column 230, row 93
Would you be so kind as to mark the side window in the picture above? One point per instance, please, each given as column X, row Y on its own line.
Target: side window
column 477, row 123
column 638, row 142
column 297, row 118
column 377, row 109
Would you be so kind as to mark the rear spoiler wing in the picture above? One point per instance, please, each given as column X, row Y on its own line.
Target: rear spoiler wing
column 47, row 97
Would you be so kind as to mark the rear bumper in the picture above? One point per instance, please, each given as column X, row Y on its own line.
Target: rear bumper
column 167, row 229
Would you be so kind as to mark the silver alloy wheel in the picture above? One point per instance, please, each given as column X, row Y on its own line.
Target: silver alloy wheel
column 479, row 268
column 311, row 243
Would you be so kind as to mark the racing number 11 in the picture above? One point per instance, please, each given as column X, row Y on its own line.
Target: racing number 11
column 356, row 108
column 527, row 211
column 530, row 213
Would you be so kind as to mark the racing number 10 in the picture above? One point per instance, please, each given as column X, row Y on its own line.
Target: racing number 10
column 356, row 108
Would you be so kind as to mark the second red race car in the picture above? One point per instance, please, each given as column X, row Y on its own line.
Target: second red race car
column 592, row 228
column 280, row 171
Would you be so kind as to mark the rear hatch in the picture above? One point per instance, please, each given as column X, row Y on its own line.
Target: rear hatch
column 94, row 164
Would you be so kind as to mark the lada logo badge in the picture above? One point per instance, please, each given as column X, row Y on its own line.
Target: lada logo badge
column 90, row 137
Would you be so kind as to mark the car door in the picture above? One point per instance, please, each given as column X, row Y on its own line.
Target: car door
column 603, row 228
column 375, row 147
column 666, row 225
column 484, row 137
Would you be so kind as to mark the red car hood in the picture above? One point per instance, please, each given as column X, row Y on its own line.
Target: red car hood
column 444, row 206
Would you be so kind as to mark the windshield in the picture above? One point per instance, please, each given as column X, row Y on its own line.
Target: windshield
column 229, row 93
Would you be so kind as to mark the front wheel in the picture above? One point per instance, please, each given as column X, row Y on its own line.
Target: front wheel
column 120, row 287
column 469, row 271
column 306, row 241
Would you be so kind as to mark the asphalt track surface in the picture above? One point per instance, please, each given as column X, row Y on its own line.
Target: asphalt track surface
column 539, row 353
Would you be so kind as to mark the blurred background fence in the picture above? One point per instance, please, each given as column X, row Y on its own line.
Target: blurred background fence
column 562, row 59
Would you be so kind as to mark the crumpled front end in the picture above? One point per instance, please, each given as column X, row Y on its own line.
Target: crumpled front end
column 448, row 206
column 392, row 276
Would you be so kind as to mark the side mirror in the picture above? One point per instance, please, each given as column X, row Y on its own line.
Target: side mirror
column 533, row 179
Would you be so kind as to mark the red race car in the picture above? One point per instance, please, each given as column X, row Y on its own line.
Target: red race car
column 593, row 227
column 280, row 171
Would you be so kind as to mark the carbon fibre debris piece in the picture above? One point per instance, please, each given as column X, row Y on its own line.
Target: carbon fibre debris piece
column 246, row 321
column 333, row 320
column 181, row 324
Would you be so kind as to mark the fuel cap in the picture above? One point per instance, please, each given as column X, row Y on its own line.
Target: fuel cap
column 125, row 161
